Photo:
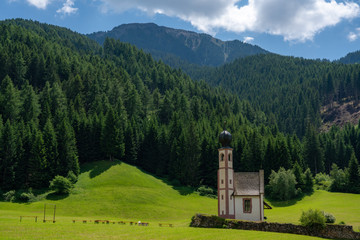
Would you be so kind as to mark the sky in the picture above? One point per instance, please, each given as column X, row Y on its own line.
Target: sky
column 316, row 29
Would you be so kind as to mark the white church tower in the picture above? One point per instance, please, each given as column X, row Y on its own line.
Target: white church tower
column 240, row 194
column 226, row 203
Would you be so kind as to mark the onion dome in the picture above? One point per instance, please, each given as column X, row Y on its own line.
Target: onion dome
column 225, row 138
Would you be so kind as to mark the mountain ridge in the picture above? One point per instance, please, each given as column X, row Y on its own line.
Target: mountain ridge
column 192, row 47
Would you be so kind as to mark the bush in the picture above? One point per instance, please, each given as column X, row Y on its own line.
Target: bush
column 313, row 219
column 339, row 179
column 9, row 196
column 61, row 185
column 282, row 184
column 322, row 181
column 329, row 217
column 27, row 197
column 206, row 191
column 72, row 177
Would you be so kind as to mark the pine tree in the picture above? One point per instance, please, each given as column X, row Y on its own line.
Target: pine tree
column 31, row 107
column 10, row 101
column 299, row 176
column 38, row 176
column 8, row 157
column 313, row 153
column 110, row 136
column 309, row 181
column 51, row 149
column 354, row 175
column 68, row 155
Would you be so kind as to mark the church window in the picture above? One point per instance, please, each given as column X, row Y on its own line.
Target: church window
column 222, row 157
column 222, row 181
column 229, row 157
column 222, row 197
column 230, row 181
column 247, row 206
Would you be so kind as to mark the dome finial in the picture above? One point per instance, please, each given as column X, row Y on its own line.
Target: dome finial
column 225, row 137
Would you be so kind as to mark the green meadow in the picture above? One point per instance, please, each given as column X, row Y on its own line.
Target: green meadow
column 119, row 192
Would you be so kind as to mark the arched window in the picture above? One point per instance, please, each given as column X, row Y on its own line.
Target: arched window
column 222, row 157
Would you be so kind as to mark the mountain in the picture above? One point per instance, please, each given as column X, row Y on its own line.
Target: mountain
column 65, row 101
column 353, row 57
column 191, row 47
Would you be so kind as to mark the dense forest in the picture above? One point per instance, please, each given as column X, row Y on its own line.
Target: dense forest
column 66, row 100
column 289, row 90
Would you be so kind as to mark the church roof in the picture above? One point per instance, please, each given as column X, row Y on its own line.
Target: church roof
column 248, row 183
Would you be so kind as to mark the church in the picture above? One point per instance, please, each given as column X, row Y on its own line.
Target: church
column 240, row 194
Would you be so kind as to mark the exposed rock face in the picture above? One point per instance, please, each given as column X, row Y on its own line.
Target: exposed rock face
column 330, row 231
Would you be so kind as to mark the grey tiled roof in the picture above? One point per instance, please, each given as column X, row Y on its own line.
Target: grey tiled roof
column 247, row 183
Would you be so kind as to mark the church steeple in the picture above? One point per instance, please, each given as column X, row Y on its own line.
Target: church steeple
column 226, row 204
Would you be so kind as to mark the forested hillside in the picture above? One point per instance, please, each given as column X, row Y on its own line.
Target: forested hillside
column 290, row 90
column 66, row 100
column 178, row 47
column 353, row 57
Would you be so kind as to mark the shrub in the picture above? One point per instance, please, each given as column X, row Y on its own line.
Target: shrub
column 205, row 191
column 9, row 196
column 61, row 185
column 342, row 223
column 313, row 219
column 329, row 217
column 322, row 181
column 72, row 177
column 339, row 179
column 27, row 197
column 282, row 184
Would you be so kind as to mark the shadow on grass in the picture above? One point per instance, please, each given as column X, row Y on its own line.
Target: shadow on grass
column 183, row 190
column 97, row 168
column 175, row 184
column 56, row 196
column 287, row 203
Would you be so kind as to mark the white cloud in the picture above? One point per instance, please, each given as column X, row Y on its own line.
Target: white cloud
column 354, row 35
column 67, row 8
column 42, row 4
column 248, row 39
column 295, row 20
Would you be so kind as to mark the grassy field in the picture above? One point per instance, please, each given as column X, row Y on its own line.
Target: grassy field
column 117, row 191
column 344, row 206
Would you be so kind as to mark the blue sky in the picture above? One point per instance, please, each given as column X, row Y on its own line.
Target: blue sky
column 306, row 28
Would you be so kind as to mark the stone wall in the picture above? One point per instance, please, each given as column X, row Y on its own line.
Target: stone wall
column 330, row 231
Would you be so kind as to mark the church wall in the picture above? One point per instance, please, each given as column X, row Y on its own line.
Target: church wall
column 222, row 202
column 255, row 211
column 231, row 203
column 222, row 177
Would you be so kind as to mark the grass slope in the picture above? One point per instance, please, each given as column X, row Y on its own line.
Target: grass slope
column 118, row 191
column 115, row 190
